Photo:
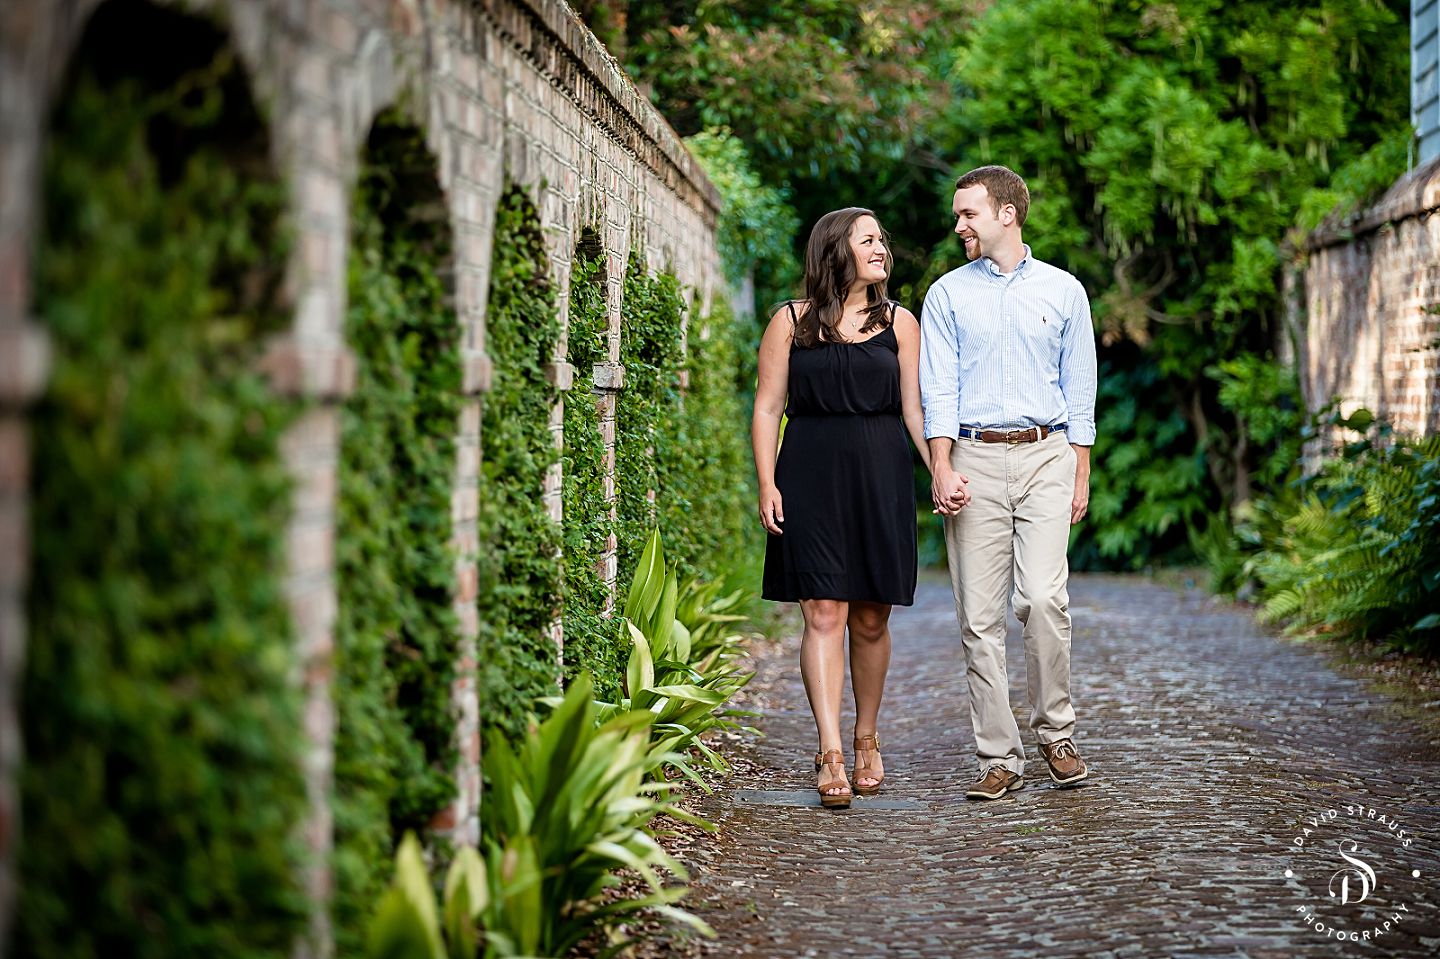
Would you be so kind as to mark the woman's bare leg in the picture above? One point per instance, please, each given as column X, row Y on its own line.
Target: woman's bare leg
column 869, row 625
column 822, row 666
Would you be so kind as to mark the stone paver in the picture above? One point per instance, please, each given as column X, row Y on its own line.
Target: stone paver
column 1211, row 745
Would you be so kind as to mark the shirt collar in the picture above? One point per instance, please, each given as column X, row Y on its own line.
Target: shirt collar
column 1019, row 267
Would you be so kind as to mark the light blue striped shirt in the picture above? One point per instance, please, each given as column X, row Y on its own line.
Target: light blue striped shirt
column 1008, row 352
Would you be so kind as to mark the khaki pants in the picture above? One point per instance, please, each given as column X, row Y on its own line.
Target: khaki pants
column 1009, row 544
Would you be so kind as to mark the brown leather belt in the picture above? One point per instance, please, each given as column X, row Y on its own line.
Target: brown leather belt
column 1032, row 435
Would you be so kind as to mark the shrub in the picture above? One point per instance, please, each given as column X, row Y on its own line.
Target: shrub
column 568, row 805
column 1355, row 550
column 1149, row 486
column 682, row 457
column 707, row 478
column 652, row 321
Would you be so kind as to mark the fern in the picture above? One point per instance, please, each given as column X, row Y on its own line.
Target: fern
column 1354, row 550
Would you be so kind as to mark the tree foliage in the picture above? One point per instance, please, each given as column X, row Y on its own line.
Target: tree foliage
column 1169, row 149
column 833, row 101
column 810, row 87
column 758, row 225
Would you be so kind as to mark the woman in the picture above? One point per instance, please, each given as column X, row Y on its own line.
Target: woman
column 839, row 501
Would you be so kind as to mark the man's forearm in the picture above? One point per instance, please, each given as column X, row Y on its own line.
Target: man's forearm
column 940, row 454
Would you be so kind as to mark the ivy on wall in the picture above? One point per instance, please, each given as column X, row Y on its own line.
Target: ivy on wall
column 396, row 635
column 162, row 789
column 592, row 643
column 652, row 313
column 520, row 557
column 706, row 474
column 682, row 458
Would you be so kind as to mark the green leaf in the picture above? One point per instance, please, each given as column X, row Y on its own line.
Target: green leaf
column 648, row 583
column 694, row 694
column 663, row 621
column 640, row 674
column 465, row 883
column 406, row 924
column 461, row 936
column 398, row 930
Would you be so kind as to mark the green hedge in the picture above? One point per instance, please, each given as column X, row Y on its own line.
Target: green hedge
column 519, row 562
column 162, row 790
column 591, row 642
column 396, row 636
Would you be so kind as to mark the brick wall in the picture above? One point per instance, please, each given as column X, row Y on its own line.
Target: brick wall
column 515, row 89
column 1368, row 294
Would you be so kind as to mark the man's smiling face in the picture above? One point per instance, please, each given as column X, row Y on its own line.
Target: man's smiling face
column 977, row 223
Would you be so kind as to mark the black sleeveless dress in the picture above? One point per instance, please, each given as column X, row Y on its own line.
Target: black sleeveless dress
column 845, row 479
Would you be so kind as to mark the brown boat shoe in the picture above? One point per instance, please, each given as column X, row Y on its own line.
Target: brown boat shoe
column 996, row 782
column 1066, row 766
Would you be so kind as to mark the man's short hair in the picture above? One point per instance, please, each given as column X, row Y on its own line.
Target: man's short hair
column 1004, row 186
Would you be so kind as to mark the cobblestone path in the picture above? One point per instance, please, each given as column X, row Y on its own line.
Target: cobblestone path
column 1212, row 747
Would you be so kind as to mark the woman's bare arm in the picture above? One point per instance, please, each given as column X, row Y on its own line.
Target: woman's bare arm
column 770, row 394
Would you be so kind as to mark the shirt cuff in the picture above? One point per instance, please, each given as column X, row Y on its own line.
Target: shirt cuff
column 942, row 426
column 1081, row 433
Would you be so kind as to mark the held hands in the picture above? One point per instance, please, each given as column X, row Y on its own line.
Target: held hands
column 949, row 492
column 772, row 512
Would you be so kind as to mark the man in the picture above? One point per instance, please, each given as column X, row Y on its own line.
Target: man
column 1007, row 376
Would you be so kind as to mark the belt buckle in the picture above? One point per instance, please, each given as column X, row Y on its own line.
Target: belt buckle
column 1012, row 438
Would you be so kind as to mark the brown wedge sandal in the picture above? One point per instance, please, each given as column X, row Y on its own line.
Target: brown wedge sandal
column 835, row 800
column 869, row 743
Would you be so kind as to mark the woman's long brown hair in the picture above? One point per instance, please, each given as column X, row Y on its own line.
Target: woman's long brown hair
column 829, row 272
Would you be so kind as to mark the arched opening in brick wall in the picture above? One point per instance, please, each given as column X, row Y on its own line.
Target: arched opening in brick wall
column 591, row 641
column 520, row 565
column 397, row 636
column 161, row 791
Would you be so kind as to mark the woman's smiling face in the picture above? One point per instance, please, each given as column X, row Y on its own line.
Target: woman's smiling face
column 867, row 244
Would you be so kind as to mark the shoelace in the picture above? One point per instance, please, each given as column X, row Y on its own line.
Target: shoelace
column 1063, row 748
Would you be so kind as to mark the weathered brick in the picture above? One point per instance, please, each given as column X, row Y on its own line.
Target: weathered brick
column 25, row 355
column 14, row 543
column 14, row 456
column 1369, row 299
